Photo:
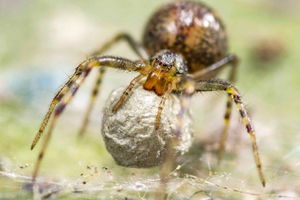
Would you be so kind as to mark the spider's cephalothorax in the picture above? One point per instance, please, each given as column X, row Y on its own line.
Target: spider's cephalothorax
column 187, row 45
column 166, row 69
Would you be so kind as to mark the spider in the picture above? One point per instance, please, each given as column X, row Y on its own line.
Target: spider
column 183, row 49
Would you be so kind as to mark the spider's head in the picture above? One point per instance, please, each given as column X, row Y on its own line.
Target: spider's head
column 166, row 67
column 166, row 61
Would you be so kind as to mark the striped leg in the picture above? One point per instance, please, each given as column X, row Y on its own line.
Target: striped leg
column 65, row 95
column 161, row 106
column 92, row 101
column 138, row 50
column 219, row 85
column 57, row 111
column 228, row 110
column 230, row 60
column 127, row 92
column 135, row 46
column 159, row 111
column 224, row 134
column 52, row 106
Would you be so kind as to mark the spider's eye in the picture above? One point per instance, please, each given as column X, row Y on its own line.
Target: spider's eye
column 168, row 60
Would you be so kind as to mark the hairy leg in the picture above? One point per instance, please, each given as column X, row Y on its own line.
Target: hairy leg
column 228, row 110
column 135, row 46
column 57, row 98
column 65, row 95
column 57, row 111
column 224, row 134
column 137, row 49
column 92, row 101
column 219, row 85
column 230, row 60
column 127, row 92
column 161, row 106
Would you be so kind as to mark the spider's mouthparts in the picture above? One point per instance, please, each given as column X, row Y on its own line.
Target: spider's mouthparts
column 156, row 82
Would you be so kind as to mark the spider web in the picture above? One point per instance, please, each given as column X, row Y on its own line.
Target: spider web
column 105, row 185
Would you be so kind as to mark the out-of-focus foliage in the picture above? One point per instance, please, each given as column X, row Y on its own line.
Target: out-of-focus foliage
column 42, row 41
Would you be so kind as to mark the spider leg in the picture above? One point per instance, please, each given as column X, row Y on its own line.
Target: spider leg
column 168, row 165
column 187, row 90
column 224, row 134
column 161, row 107
column 127, row 92
column 230, row 60
column 65, row 95
column 138, row 50
column 57, row 111
column 219, row 85
column 134, row 45
column 227, row 116
column 159, row 111
column 93, row 97
column 57, row 98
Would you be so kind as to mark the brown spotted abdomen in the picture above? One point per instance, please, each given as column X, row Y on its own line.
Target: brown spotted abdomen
column 187, row 28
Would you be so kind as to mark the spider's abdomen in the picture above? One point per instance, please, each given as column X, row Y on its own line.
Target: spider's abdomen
column 187, row 28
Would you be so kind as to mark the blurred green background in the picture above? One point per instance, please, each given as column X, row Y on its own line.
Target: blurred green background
column 41, row 42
